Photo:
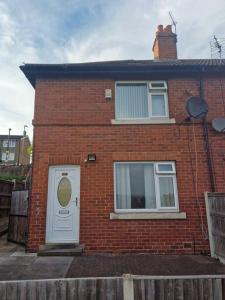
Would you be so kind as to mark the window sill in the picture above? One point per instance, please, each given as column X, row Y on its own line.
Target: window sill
column 148, row 216
column 152, row 121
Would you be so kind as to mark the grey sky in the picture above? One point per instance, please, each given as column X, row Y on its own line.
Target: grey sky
column 77, row 31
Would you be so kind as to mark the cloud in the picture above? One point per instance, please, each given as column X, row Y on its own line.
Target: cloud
column 90, row 30
column 129, row 29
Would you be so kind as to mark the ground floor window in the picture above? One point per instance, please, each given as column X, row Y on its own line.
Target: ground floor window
column 8, row 157
column 147, row 186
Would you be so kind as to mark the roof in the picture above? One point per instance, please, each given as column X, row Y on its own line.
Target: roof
column 124, row 69
column 11, row 137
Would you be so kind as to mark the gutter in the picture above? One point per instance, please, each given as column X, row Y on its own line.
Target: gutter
column 34, row 72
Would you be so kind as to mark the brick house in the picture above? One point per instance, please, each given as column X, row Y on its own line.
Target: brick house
column 13, row 149
column 117, row 166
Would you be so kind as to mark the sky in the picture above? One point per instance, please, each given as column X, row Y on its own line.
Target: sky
column 71, row 31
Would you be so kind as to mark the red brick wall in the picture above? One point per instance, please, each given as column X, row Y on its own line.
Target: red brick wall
column 165, row 44
column 72, row 119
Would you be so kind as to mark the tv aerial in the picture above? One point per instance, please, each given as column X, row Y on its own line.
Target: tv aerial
column 217, row 46
column 197, row 107
column 218, row 124
column 174, row 23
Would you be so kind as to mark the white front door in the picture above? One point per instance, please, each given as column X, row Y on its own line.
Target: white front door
column 63, row 212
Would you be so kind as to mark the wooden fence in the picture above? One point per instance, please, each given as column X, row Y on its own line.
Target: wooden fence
column 17, row 231
column 215, row 208
column 188, row 288
column 127, row 287
column 5, row 198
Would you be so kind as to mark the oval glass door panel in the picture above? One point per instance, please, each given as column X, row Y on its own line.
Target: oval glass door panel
column 64, row 192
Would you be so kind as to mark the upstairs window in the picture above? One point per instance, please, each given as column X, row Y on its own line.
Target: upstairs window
column 12, row 143
column 141, row 100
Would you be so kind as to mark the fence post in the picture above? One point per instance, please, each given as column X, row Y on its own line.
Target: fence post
column 211, row 242
column 128, row 287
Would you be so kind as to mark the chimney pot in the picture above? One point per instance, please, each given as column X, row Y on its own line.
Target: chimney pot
column 168, row 28
column 160, row 28
column 164, row 46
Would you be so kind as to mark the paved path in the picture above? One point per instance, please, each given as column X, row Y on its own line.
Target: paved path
column 15, row 264
column 18, row 266
column 7, row 248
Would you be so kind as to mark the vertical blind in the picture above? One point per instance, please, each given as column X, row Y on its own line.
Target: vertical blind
column 132, row 101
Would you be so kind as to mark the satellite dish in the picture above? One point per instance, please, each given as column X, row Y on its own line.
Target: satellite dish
column 218, row 124
column 197, row 107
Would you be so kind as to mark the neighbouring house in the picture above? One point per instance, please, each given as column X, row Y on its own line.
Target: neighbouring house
column 13, row 149
column 117, row 164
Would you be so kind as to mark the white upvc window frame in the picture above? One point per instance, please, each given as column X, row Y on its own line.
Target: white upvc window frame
column 165, row 163
column 157, row 175
column 12, row 143
column 151, row 116
column 11, row 156
column 163, row 82
column 149, row 99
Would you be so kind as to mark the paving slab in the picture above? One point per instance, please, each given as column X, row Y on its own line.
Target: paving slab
column 16, row 260
column 16, row 264
column 39, row 270
column 27, row 267
column 23, row 253
column 12, row 272
column 7, row 247
column 53, row 260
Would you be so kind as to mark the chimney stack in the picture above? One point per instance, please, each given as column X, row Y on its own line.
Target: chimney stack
column 164, row 46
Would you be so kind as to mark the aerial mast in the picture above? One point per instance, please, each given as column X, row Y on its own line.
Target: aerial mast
column 174, row 23
column 217, row 47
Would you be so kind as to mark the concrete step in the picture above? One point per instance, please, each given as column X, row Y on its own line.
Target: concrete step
column 57, row 246
column 62, row 251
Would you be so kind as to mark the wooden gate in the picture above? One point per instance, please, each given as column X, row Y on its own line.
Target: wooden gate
column 215, row 208
column 18, row 226
column 5, row 199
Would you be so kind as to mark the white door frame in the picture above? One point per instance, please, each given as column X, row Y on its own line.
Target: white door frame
column 50, row 214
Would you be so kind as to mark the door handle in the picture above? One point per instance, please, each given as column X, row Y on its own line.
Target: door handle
column 76, row 201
